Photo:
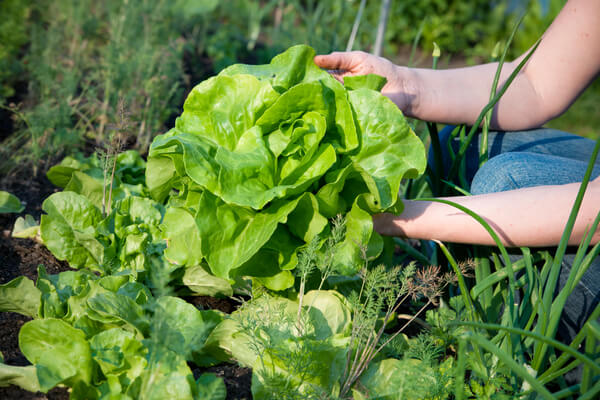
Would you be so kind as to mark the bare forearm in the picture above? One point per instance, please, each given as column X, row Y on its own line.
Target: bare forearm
column 457, row 96
column 524, row 217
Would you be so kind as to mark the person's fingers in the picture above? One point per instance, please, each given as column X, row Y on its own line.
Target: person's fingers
column 336, row 61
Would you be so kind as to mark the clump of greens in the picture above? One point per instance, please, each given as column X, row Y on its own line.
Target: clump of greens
column 108, row 337
column 263, row 156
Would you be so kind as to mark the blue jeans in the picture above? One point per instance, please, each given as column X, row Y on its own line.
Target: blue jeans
column 534, row 158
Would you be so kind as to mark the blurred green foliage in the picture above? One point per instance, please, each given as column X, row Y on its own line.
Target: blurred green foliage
column 13, row 35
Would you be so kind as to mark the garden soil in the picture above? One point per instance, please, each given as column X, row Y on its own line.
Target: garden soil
column 23, row 256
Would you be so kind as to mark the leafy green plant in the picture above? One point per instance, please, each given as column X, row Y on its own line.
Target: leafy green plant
column 279, row 148
column 107, row 337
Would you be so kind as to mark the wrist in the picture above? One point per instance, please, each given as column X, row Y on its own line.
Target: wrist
column 405, row 91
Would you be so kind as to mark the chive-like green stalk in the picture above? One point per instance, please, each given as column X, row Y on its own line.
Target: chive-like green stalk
column 582, row 358
column 546, row 376
column 483, row 148
column 593, row 329
column 508, row 360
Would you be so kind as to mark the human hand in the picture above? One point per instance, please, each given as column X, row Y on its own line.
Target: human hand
column 341, row 64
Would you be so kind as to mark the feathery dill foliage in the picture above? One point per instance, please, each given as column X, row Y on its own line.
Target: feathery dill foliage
column 383, row 291
column 426, row 348
column 319, row 256
column 325, row 261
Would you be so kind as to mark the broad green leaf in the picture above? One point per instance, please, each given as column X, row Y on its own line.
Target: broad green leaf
column 21, row 296
column 68, row 230
column 226, row 343
column 222, row 108
column 247, row 176
column 202, row 283
column 390, row 151
column 231, row 235
column 59, row 352
column 114, row 308
column 393, row 379
column 369, row 81
column 160, row 175
column 329, row 311
column 291, row 105
column 306, row 222
column 349, row 258
column 274, row 260
column 26, row 228
column 331, row 203
column 93, row 189
column 138, row 210
column 130, row 168
column 210, row 387
column 322, row 367
column 183, row 328
column 60, row 174
column 281, row 281
column 9, row 203
column 284, row 71
column 167, row 375
column 23, row 377
column 183, row 240
column 135, row 291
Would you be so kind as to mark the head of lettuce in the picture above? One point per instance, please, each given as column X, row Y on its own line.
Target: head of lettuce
column 263, row 156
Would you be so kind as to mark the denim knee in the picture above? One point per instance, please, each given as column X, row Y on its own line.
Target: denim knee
column 514, row 170
column 500, row 173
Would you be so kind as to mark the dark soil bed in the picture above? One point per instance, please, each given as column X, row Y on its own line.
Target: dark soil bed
column 23, row 256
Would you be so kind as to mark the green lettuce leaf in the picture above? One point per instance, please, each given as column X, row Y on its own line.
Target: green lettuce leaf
column 9, row 203
column 369, row 81
column 183, row 327
column 117, row 308
column 202, row 283
column 242, row 231
column 21, row 296
column 68, row 230
column 295, row 66
column 23, row 377
column 183, row 239
column 390, row 150
column 119, row 353
column 393, row 379
column 26, row 228
column 60, row 353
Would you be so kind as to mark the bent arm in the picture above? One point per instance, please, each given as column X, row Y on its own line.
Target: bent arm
column 532, row 217
column 565, row 62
